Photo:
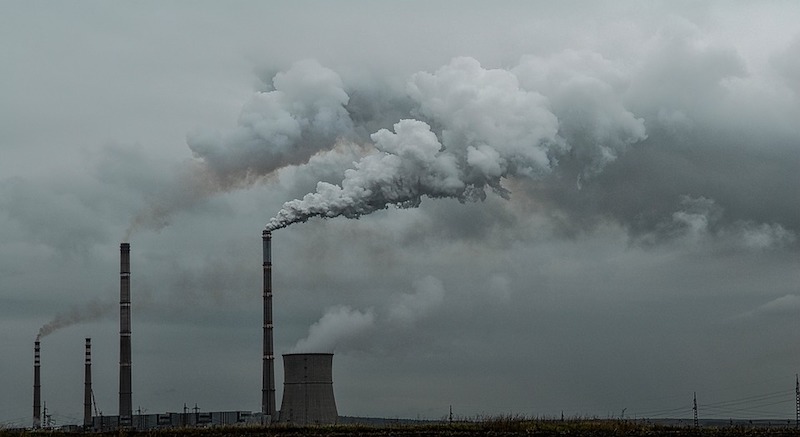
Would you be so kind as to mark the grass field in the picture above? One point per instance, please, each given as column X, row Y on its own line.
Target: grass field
column 493, row 427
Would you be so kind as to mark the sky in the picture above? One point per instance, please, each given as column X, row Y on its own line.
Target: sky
column 511, row 208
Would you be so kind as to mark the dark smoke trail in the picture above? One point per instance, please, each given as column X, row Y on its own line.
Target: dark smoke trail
column 92, row 311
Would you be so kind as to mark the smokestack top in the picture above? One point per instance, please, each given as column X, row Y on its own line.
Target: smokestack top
column 124, row 246
column 266, row 237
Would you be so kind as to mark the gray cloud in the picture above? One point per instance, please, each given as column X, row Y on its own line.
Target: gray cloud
column 304, row 113
column 637, row 165
column 487, row 127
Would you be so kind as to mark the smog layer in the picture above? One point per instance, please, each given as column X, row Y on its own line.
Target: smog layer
column 528, row 208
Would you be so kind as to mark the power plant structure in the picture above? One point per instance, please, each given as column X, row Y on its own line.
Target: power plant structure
column 268, row 409
column 37, row 387
column 87, row 386
column 171, row 420
column 308, row 384
column 308, row 389
column 308, row 378
column 125, row 402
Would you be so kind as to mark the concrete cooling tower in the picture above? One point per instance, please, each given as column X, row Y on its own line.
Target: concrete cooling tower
column 308, row 389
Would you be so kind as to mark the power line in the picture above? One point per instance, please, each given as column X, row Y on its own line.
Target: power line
column 664, row 412
column 750, row 399
column 749, row 405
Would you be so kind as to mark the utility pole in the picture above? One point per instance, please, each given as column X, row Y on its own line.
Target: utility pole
column 196, row 414
column 696, row 422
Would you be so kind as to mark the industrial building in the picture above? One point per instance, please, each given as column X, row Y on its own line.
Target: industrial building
column 308, row 388
column 144, row 422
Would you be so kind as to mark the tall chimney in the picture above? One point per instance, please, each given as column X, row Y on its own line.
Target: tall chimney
column 125, row 403
column 268, row 377
column 37, row 388
column 87, row 387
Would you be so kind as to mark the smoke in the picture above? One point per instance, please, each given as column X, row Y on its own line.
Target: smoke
column 188, row 186
column 701, row 219
column 344, row 327
column 488, row 127
column 562, row 129
column 410, row 307
column 785, row 306
column 452, row 133
column 407, row 166
column 303, row 114
column 586, row 94
column 92, row 311
column 338, row 324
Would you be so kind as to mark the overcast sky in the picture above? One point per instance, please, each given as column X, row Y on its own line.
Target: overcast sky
column 541, row 207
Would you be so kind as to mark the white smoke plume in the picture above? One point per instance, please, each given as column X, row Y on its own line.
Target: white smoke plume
column 92, row 311
column 407, row 165
column 409, row 307
column 586, row 94
column 303, row 114
column 338, row 324
column 457, row 132
column 701, row 218
column 345, row 327
column 487, row 127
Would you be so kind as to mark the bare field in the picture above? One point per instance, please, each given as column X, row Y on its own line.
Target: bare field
column 486, row 428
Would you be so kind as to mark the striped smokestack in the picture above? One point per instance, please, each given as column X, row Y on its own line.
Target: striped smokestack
column 37, row 388
column 87, row 386
column 268, row 377
column 125, row 403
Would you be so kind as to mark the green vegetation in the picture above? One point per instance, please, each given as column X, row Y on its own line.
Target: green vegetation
column 502, row 426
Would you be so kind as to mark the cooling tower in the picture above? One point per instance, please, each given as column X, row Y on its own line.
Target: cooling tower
column 87, row 387
column 125, row 403
column 308, row 389
column 37, row 388
column 268, row 365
